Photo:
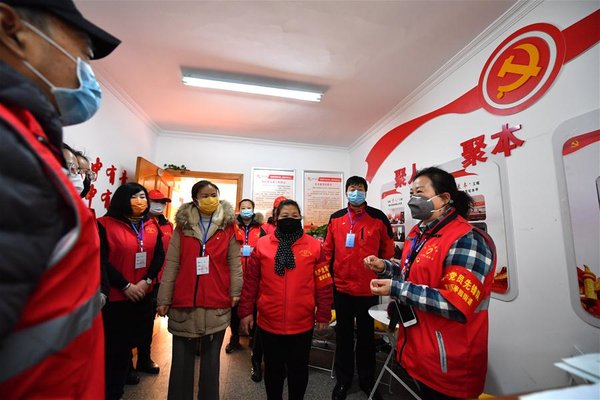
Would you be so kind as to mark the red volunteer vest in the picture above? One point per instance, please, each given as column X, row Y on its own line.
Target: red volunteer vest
column 250, row 240
column 448, row 356
column 71, row 364
column 167, row 232
column 286, row 304
column 122, row 247
column 212, row 290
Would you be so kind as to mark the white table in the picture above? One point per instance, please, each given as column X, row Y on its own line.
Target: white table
column 379, row 313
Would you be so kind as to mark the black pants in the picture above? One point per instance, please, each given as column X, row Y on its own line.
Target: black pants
column 181, row 379
column 286, row 355
column 145, row 339
column 234, row 324
column 123, row 324
column 347, row 308
column 257, row 346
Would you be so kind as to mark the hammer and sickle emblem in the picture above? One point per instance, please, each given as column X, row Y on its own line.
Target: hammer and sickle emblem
column 526, row 71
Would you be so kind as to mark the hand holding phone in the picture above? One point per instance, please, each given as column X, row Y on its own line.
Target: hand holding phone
column 407, row 314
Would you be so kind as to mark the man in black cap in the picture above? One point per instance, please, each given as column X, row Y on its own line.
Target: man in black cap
column 51, row 340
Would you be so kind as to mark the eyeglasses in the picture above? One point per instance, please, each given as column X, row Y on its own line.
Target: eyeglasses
column 91, row 175
column 74, row 170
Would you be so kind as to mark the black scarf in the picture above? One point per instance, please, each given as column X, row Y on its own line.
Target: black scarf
column 284, row 257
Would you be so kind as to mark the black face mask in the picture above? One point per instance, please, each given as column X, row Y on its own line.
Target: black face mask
column 289, row 225
column 86, row 187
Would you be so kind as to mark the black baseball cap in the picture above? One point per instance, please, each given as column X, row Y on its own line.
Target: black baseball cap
column 104, row 43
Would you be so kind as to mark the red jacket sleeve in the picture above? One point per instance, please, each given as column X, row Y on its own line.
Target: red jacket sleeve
column 386, row 245
column 250, row 286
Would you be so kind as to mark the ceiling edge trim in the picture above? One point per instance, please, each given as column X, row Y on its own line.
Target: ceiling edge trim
column 500, row 26
column 240, row 139
column 108, row 82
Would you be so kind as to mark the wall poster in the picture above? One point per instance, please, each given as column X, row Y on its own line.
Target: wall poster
column 323, row 195
column 577, row 152
column 270, row 183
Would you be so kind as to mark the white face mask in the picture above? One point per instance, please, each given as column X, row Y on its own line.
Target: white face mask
column 157, row 208
column 77, row 181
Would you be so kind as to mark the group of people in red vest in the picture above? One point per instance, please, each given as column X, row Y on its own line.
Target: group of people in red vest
column 60, row 338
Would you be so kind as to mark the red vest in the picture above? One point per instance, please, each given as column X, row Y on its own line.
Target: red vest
column 448, row 356
column 286, row 304
column 371, row 238
column 212, row 290
column 122, row 247
column 167, row 232
column 67, row 291
column 250, row 240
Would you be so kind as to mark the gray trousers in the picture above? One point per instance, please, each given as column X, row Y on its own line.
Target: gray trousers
column 181, row 380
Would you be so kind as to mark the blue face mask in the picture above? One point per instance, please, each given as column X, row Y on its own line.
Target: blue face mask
column 246, row 213
column 74, row 105
column 356, row 197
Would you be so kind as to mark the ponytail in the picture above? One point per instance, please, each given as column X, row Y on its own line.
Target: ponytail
column 444, row 182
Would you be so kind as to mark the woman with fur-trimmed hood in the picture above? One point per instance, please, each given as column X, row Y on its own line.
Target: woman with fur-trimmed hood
column 202, row 280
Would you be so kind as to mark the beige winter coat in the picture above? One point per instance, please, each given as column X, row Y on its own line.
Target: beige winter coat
column 197, row 321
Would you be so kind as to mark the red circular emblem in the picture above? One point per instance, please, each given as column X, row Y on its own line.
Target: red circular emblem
column 521, row 69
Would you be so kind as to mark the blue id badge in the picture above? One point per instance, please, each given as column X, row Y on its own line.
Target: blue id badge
column 350, row 240
column 246, row 250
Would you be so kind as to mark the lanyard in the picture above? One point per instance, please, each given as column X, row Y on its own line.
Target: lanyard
column 139, row 234
column 419, row 241
column 205, row 232
column 247, row 229
column 352, row 223
column 415, row 247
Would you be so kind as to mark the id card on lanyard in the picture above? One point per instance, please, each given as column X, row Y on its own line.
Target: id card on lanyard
column 202, row 262
column 351, row 236
column 246, row 248
column 140, row 256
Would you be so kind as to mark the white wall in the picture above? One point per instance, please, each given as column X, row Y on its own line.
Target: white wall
column 539, row 327
column 210, row 153
column 117, row 135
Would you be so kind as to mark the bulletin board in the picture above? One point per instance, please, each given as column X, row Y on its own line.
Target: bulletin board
column 270, row 183
column 323, row 194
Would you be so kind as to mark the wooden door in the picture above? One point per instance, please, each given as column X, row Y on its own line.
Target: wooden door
column 151, row 177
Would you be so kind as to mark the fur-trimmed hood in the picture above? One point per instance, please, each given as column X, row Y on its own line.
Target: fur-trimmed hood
column 188, row 218
column 259, row 219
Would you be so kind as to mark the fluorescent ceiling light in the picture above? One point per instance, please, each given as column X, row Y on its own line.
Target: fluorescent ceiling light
column 251, row 84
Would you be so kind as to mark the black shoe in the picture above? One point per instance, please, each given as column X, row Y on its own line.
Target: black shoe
column 339, row 392
column 149, row 367
column 234, row 344
column 132, row 378
column 256, row 372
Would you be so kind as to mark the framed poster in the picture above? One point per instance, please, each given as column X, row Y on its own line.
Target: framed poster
column 576, row 145
column 323, row 195
column 270, row 183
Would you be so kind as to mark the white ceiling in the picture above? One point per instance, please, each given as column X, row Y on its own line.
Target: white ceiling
column 371, row 55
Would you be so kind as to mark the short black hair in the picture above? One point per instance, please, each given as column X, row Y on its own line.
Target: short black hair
column 36, row 17
column 120, row 203
column 357, row 180
column 243, row 200
column 288, row 202
column 198, row 186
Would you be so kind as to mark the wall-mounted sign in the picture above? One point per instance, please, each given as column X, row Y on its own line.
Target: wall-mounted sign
column 577, row 154
column 323, row 195
column 270, row 183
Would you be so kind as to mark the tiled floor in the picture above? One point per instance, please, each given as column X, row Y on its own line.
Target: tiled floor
column 235, row 374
